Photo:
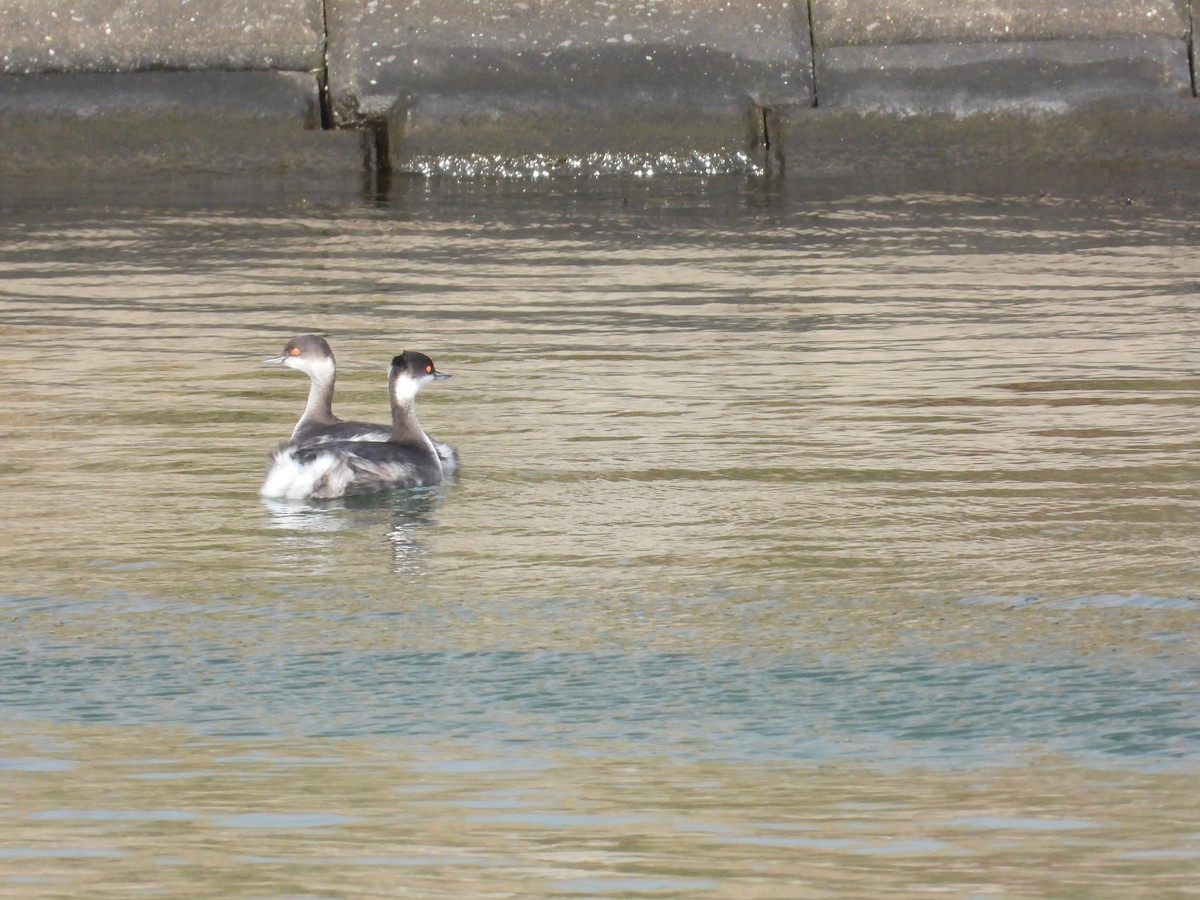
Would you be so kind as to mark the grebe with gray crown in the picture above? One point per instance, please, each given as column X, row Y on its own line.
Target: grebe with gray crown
column 323, row 471
column 312, row 355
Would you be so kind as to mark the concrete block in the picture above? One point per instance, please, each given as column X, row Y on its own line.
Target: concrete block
column 922, row 152
column 557, row 79
column 216, row 122
column 1194, row 43
column 883, row 22
column 131, row 35
column 963, row 79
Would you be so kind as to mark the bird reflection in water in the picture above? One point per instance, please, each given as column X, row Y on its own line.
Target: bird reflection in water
column 400, row 515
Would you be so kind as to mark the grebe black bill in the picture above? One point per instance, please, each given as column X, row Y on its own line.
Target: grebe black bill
column 312, row 355
column 323, row 471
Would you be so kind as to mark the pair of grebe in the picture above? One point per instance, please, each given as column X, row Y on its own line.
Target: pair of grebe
column 327, row 457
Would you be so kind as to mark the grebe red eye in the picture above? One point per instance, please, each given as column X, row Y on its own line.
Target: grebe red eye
column 295, row 351
column 429, row 368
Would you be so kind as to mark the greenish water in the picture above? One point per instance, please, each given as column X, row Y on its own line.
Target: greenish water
column 803, row 546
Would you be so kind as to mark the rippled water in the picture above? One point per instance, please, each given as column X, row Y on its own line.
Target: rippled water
column 803, row 547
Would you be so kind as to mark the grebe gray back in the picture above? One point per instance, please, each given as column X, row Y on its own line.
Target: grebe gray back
column 312, row 355
column 321, row 471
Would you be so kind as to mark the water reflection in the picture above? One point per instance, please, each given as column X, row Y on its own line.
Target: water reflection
column 401, row 516
column 435, row 817
column 883, row 509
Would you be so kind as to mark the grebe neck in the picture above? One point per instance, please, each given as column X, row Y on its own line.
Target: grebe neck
column 405, row 426
column 319, row 408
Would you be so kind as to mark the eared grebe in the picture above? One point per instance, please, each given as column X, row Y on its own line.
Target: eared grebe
column 312, row 355
column 331, row 469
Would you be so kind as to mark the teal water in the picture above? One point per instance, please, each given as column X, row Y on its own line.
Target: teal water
column 862, row 526
column 804, row 706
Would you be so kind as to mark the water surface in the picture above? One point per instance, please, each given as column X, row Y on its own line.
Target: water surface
column 804, row 546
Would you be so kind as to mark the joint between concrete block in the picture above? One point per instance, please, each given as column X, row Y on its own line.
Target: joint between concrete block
column 1191, row 43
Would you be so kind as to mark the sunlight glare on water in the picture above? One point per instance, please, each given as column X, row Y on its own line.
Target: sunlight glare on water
column 795, row 539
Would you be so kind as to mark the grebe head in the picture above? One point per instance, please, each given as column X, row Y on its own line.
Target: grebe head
column 310, row 353
column 409, row 372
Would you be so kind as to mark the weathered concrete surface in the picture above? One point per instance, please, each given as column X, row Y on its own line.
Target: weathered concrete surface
column 266, row 122
column 1034, row 76
column 133, row 35
column 832, row 143
column 980, row 83
column 520, row 86
column 99, row 86
column 838, row 23
column 564, row 77
column 1194, row 44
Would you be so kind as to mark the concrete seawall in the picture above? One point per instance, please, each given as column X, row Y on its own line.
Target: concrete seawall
column 533, row 87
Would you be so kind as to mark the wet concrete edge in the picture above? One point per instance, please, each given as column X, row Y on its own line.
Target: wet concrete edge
column 531, row 88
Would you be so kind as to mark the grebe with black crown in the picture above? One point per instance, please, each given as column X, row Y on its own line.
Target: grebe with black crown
column 323, row 471
column 312, row 355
